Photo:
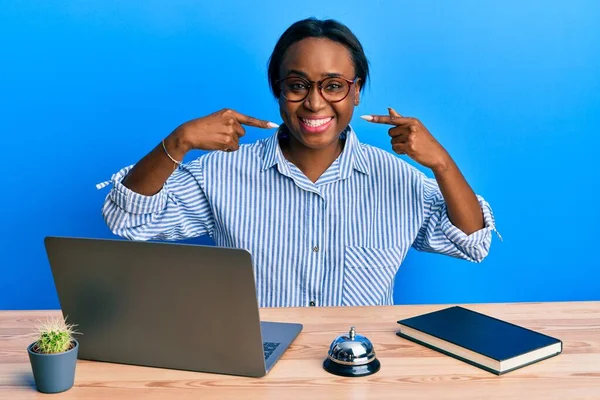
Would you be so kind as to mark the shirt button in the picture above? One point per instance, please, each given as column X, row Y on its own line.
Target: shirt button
column 316, row 249
column 312, row 304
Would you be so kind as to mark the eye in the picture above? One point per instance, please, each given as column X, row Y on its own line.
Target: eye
column 334, row 86
column 297, row 86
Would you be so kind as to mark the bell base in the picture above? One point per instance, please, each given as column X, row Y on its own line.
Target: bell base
column 351, row 370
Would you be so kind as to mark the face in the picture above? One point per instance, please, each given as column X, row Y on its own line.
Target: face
column 315, row 122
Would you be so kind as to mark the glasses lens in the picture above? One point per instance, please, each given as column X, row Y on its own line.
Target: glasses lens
column 335, row 89
column 294, row 88
column 332, row 89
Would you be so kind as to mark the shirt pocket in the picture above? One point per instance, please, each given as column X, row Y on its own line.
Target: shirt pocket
column 369, row 275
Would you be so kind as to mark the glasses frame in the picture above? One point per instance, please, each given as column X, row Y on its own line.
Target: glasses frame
column 319, row 87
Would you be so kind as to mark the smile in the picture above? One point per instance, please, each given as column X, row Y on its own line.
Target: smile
column 314, row 123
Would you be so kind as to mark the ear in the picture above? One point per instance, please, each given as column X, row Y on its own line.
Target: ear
column 357, row 87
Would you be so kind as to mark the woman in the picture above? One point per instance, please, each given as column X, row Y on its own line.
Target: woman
column 328, row 220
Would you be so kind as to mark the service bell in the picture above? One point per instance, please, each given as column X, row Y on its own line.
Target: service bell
column 351, row 355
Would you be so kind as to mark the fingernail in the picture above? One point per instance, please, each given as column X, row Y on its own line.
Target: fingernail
column 367, row 117
column 272, row 125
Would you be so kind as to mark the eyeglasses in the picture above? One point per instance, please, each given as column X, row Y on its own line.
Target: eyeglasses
column 333, row 90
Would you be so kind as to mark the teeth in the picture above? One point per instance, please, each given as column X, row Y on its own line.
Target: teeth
column 316, row 122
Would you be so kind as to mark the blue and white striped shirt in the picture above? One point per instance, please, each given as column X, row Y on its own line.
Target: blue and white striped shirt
column 338, row 241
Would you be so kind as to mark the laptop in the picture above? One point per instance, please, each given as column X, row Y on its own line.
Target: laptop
column 167, row 305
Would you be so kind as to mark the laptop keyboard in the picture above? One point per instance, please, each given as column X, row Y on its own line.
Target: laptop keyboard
column 269, row 348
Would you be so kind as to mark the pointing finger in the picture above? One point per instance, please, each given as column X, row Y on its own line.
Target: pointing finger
column 251, row 121
column 387, row 119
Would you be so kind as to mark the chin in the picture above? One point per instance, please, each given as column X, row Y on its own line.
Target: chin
column 320, row 141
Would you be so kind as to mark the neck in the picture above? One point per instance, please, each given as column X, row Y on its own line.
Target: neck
column 312, row 162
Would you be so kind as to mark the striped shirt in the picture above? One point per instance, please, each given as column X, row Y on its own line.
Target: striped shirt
column 337, row 241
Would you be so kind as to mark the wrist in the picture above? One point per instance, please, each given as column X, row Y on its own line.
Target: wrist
column 176, row 146
column 443, row 165
column 178, row 143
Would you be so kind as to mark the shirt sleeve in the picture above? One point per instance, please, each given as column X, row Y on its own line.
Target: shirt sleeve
column 180, row 210
column 438, row 235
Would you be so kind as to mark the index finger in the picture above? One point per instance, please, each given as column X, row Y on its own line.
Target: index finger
column 387, row 119
column 251, row 121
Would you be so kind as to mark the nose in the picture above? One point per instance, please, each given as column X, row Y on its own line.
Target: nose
column 314, row 101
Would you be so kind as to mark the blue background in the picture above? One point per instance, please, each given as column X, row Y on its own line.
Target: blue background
column 510, row 88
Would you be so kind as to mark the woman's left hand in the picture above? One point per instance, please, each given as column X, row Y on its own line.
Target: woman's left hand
column 411, row 137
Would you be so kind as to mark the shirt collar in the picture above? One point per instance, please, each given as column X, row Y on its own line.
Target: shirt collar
column 352, row 156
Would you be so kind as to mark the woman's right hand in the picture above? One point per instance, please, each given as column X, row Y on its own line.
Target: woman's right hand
column 218, row 131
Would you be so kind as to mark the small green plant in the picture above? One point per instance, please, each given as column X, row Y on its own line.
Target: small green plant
column 55, row 335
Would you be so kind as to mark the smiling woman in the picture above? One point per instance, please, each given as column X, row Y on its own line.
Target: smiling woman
column 328, row 220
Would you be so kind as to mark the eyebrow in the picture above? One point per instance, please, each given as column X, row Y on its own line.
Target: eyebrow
column 324, row 75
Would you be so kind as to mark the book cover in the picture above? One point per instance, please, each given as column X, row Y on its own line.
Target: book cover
column 479, row 339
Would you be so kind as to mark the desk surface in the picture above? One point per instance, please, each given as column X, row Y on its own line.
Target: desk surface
column 408, row 370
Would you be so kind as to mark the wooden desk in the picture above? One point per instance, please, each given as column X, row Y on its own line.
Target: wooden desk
column 408, row 371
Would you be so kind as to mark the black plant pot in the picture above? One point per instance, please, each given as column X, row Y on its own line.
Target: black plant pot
column 54, row 373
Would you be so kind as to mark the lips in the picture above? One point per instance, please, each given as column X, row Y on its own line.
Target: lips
column 315, row 125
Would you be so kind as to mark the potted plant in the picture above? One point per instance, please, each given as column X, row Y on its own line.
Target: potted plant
column 53, row 356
